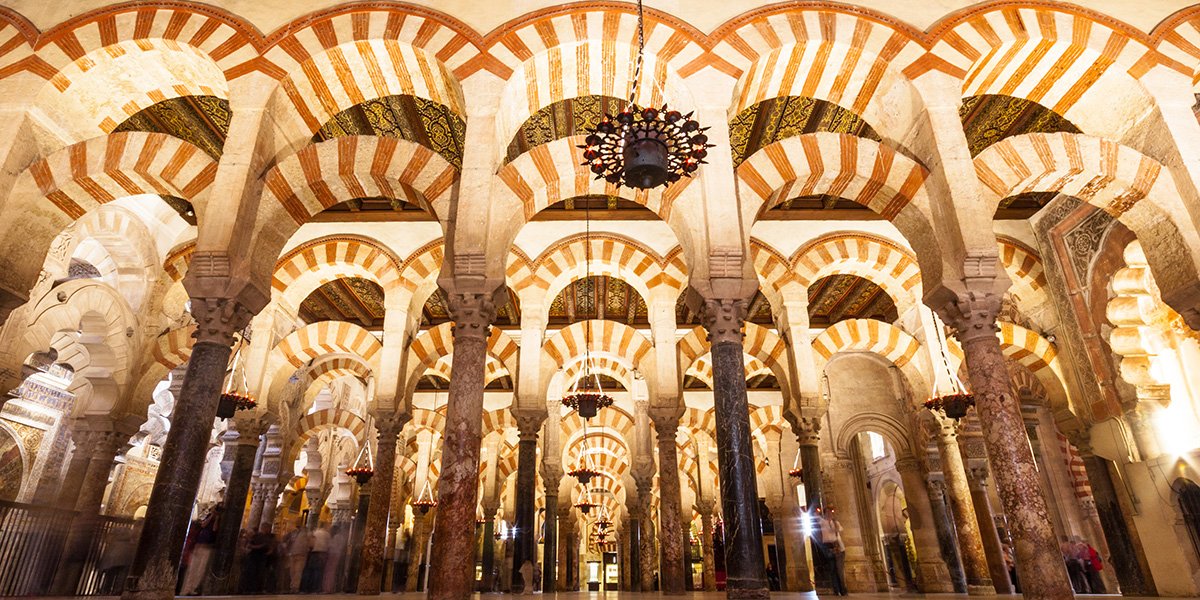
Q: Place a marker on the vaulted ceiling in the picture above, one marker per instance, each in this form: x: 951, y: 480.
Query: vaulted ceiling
x: 352, y: 299
x: 839, y: 297
x: 599, y: 297
x: 202, y: 121
x: 772, y: 120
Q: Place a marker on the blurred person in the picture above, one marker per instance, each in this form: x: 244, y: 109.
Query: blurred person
x: 296, y: 544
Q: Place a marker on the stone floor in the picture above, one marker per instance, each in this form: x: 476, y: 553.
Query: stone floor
x: 620, y: 596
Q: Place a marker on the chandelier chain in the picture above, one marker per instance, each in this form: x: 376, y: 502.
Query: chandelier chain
x: 637, y: 67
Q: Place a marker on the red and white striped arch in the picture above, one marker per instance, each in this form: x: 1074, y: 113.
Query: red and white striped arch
x: 419, y: 273
x: 601, y: 365
x: 177, y: 260
x: 327, y: 337
x: 1032, y: 351
x: 1025, y: 269
x: 85, y: 175
x: 1052, y: 55
x: 615, y: 256
x: 554, y: 172
x: 702, y: 368
x: 174, y: 347
x: 339, y: 366
x: 433, y: 347
x: 330, y: 418
x: 838, y: 164
x: 696, y: 420
x: 612, y: 337
x: 1106, y: 174
x: 759, y: 342
x: 612, y: 419
x: 500, y: 420
x: 320, y: 261
x: 866, y: 335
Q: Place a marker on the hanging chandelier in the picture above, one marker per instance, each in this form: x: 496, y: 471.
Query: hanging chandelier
x: 425, y: 499
x: 586, y: 394
x: 645, y: 147
x: 236, y: 396
x: 364, y: 465
x: 585, y: 504
x: 957, y: 400
x: 585, y: 471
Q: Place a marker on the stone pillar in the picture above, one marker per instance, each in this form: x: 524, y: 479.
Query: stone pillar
x: 258, y: 494
x: 808, y: 438
x: 970, y: 542
x: 746, y: 575
x: 387, y: 427
x: 100, y: 445
x: 859, y: 574
x: 249, y: 431
x: 945, y: 532
x: 416, y: 550
x: 685, y: 530
x: 452, y: 562
x: 525, y: 540
x: 316, y: 500
x: 551, y: 477
x: 634, y: 579
x: 81, y: 457
x: 977, y: 478
x: 647, y: 558
x: 357, y: 534
x: 488, y: 555
x: 566, y: 529
x: 931, y: 569
x: 670, y: 539
x: 973, y: 314
x: 706, y: 541
x: 1124, y: 558
x: 155, y: 565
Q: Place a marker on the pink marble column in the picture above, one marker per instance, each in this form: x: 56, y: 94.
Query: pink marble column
x: 1040, y: 566
x: 416, y: 549
x: 670, y: 537
x: 970, y: 541
x: 155, y: 565
x: 706, y: 547
x: 370, y: 578
x: 978, y: 476
x: 452, y: 560
x: 647, y: 558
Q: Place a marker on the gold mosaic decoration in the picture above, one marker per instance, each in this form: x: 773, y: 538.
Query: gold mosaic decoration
x: 990, y: 118
x: 579, y: 301
x: 565, y: 118
x: 202, y: 121
x: 779, y: 118
x: 352, y: 299
x: 840, y: 297
x: 409, y: 118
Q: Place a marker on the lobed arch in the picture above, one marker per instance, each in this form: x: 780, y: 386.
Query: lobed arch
x: 320, y: 261
x: 1126, y: 184
x: 653, y: 276
x: 127, y: 242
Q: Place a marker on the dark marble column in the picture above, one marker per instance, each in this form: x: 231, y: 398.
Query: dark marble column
x: 1133, y: 572
x: 565, y: 529
x: 551, y: 478
x: 685, y: 531
x: 452, y: 568
x: 357, y: 535
x: 229, y: 529
x: 706, y: 547
x: 155, y: 565
x: 670, y: 539
x: 387, y: 426
x: 634, y: 580
x: 525, y: 541
x: 101, y: 446
x: 647, y: 557
x: 1039, y: 562
x: 977, y: 478
x: 416, y: 550
x: 808, y: 437
x: 258, y: 496
x: 81, y: 456
x: 930, y: 569
x: 746, y: 575
x: 945, y: 532
x: 970, y: 541
x: 488, y: 554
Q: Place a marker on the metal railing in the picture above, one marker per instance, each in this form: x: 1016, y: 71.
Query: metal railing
x: 33, y: 541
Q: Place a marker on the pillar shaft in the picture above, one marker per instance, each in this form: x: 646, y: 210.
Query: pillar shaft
x: 156, y: 561
x: 1124, y: 558
x: 370, y: 579
x: 357, y: 535
x: 931, y: 569
x: 635, y: 553
x: 68, y: 492
x: 945, y: 532
x: 229, y: 529
x: 1039, y: 561
x: 550, y: 545
x: 647, y: 558
x: 987, y: 531
x: 808, y: 438
x: 101, y: 448
x: 970, y: 541
x: 746, y: 575
x: 416, y: 551
x: 670, y: 539
x: 710, y: 562
x: 452, y: 557
x: 525, y: 542
x: 859, y: 575
x: 488, y: 557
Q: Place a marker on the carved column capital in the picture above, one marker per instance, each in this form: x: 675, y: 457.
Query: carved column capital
x: 666, y: 423
x: 388, y: 425
x: 977, y: 473
x: 808, y: 430
x: 552, y: 474
x: 937, y: 488
x: 945, y: 428
x: 472, y: 313
x: 972, y: 314
x: 529, y: 423
x: 217, y: 319
x: 724, y: 318
x: 250, y: 427
x: 907, y: 464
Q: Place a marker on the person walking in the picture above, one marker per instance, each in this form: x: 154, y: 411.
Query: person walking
x: 1093, y: 565
x: 202, y: 549
x: 314, y: 567
x: 831, y: 540
x: 259, y: 552
x: 296, y: 545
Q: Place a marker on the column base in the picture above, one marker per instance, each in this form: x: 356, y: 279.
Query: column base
x: 934, y: 577
x: 980, y: 590
x: 747, y: 594
x: 860, y: 576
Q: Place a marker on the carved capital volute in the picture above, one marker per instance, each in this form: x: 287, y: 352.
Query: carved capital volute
x: 937, y: 488
x: 250, y: 427
x: 472, y: 313
x: 666, y: 423
x: 972, y: 314
x: 724, y: 318
x: 907, y: 464
x: 388, y: 425
x: 529, y: 423
x: 808, y: 430
x: 217, y: 319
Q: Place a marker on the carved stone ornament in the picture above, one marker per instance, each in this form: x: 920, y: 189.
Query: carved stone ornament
x: 724, y: 318
x: 217, y: 319
x: 472, y: 313
x: 529, y: 424
x: 389, y: 425
x: 973, y: 315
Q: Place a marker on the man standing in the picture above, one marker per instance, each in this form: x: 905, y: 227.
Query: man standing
x: 831, y: 540
x: 297, y: 544
x: 314, y: 568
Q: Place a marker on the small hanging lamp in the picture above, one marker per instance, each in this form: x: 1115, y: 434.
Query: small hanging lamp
x: 587, y: 394
x: 957, y: 400
x: 584, y: 472
x: 364, y: 465
x: 425, y: 499
x: 236, y: 395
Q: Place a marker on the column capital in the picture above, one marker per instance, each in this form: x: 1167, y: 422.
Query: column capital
x: 250, y: 427
x: 529, y: 423
x: 217, y: 319
x: 666, y: 422
x: 937, y: 487
x: 472, y: 311
x: 972, y: 314
x: 977, y: 473
x: 724, y: 318
x: 807, y: 430
x: 908, y: 464
x: 552, y: 474
x: 945, y: 428
x: 389, y: 424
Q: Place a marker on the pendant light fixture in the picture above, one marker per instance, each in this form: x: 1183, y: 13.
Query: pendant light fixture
x: 586, y: 394
x: 236, y: 395
x: 955, y: 402
x: 364, y: 465
x: 585, y: 471
x: 645, y: 147
x: 425, y: 499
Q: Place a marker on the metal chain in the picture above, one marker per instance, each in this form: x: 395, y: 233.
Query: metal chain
x: 637, y: 69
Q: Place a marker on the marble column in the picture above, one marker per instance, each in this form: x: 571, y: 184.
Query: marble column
x: 152, y: 575
x: 647, y: 558
x: 357, y: 535
x: 387, y: 427
x: 1124, y: 558
x: 81, y: 457
x: 525, y: 540
x: 945, y: 532
x: 452, y: 558
x: 706, y: 541
x: 808, y: 438
x: 229, y: 529
x: 746, y: 575
x: 685, y: 533
x: 1039, y: 562
x: 634, y: 580
x: 970, y: 541
x: 101, y: 446
x: 931, y: 570
x: 416, y: 550
x: 859, y: 574
x: 551, y: 476
x: 566, y: 527
x: 488, y: 554
x: 258, y: 494
x: 977, y: 478
x: 670, y: 538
